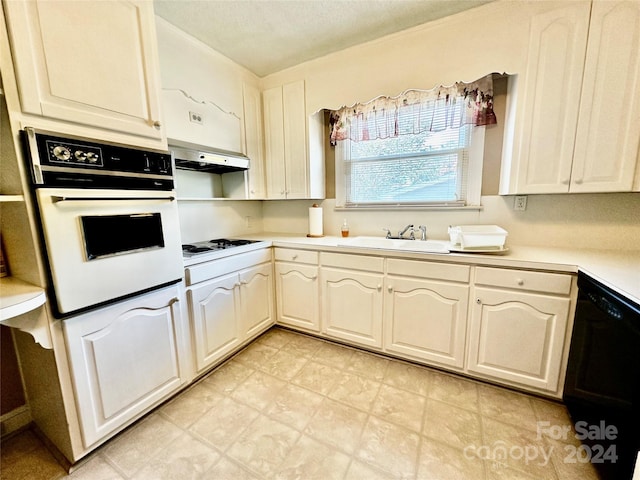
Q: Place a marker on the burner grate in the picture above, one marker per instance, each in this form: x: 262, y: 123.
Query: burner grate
x: 191, y: 249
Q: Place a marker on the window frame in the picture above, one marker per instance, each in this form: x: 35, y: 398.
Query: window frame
x: 475, y: 153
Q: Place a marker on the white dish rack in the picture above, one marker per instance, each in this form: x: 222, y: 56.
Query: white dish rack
x: 482, y: 237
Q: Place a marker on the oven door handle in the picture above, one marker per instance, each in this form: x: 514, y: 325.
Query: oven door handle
x: 58, y: 198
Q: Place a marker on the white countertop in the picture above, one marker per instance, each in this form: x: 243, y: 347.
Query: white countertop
x: 617, y: 269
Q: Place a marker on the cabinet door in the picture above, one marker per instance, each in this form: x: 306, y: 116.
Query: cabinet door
x: 214, y: 308
x: 93, y: 63
x: 274, y: 142
x: 297, y: 294
x: 518, y: 337
x: 352, y: 306
x: 426, y: 320
x: 256, y: 299
x: 124, y: 360
x: 608, y: 133
x: 295, y: 141
x: 254, y: 140
x: 555, y: 62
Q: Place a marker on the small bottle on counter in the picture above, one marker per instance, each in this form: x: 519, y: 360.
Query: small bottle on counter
x: 345, y: 228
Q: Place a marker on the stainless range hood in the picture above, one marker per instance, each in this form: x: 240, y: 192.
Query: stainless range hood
x: 194, y: 157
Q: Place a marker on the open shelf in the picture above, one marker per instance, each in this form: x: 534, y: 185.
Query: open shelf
x: 18, y: 297
x: 11, y: 198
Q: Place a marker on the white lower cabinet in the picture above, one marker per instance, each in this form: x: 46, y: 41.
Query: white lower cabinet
x: 297, y: 289
x: 125, y: 359
x: 504, y: 325
x: 256, y: 300
x: 214, y: 313
x: 231, y: 300
x: 352, y: 299
x: 426, y: 319
x: 519, y: 336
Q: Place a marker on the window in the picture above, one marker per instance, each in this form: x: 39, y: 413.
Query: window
x: 417, y: 149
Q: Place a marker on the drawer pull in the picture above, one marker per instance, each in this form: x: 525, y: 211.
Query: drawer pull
x: 313, y: 277
x: 390, y: 289
x: 520, y: 282
x: 379, y: 287
x: 294, y: 257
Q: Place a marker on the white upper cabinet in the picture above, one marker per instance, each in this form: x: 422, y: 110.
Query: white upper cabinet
x: 290, y: 169
x: 579, y: 128
x: 608, y: 132
x: 253, y: 136
x: 91, y: 63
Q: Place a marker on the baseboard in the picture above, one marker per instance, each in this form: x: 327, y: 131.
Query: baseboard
x: 15, y: 420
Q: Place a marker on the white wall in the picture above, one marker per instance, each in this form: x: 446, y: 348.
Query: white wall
x: 576, y: 221
x: 462, y: 47
x: 197, y: 79
x: 410, y: 59
x: 491, y: 38
x: 206, y: 220
x: 189, y: 65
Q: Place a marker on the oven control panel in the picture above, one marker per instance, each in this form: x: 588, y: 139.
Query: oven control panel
x: 70, y: 153
x: 113, y: 158
x: 77, y: 162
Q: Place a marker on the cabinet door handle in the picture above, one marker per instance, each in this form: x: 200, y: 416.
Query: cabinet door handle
x: 478, y: 301
x: 313, y: 277
x: 379, y: 287
x: 578, y: 181
x: 157, y: 125
x: 390, y: 289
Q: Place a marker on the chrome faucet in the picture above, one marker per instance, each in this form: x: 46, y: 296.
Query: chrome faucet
x: 423, y: 232
x: 411, y: 234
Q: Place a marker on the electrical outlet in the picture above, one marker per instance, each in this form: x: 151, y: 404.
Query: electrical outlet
x: 520, y: 203
x: 195, y: 117
x: 248, y: 221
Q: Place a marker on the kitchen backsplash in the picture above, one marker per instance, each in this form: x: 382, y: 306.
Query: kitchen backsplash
x: 609, y: 220
x: 205, y: 220
x: 580, y: 221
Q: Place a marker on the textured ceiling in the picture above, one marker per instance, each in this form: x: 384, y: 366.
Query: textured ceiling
x: 266, y: 36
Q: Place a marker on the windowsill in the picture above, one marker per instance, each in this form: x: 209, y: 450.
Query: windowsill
x: 447, y: 208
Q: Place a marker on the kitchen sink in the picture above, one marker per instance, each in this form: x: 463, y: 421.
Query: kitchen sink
x: 427, y: 246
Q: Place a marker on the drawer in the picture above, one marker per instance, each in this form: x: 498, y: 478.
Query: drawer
x: 355, y: 262
x: 434, y: 270
x: 221, y: 266
x: 296, y: 256
x: 557, y: 283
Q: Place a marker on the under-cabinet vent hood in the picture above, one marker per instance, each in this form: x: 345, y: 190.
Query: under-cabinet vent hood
x: 208, y: 160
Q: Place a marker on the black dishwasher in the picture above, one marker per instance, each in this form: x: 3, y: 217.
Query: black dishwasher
x: 602, y: 386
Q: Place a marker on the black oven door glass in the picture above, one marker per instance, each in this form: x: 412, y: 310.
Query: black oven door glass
x: 107, y: 235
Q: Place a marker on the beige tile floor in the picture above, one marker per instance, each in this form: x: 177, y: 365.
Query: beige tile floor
x: 293, y: 407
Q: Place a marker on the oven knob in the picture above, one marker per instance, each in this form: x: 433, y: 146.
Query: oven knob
x: 61, y: 153
x: 92, y: 157
x: 80, y: 155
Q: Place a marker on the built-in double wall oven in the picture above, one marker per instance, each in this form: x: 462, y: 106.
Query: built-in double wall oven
x: 109, y: 219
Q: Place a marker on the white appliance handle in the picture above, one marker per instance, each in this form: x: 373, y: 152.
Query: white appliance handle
x: 58, y: 198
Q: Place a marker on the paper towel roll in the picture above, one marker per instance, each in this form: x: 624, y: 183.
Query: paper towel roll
x: 315, y: 221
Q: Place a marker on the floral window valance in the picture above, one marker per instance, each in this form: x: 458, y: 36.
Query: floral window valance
x: 416, y: 111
